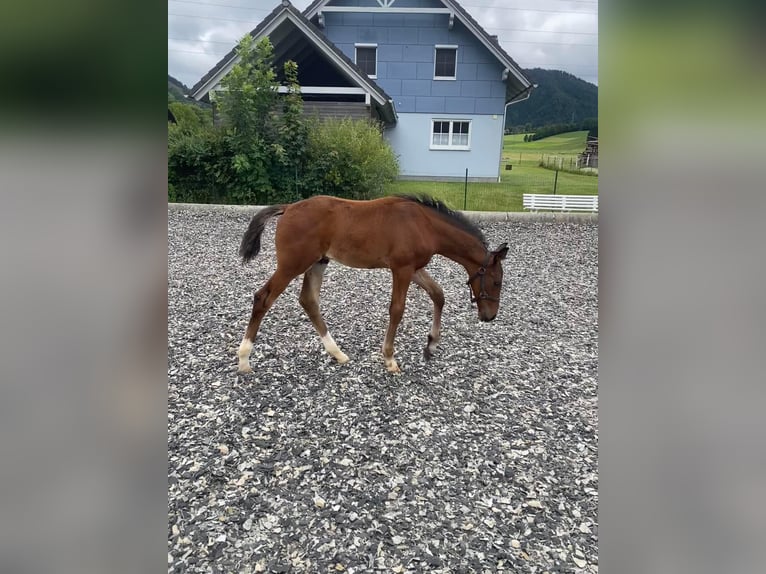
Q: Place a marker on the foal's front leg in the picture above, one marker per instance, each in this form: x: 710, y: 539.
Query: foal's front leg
x: 401, y: 283
x: 424, y: 280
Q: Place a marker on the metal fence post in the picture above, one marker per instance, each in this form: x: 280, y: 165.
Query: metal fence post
x: 555, y: 182
x: 465, y: 191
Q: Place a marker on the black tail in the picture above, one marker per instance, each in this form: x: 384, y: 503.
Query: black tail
x: 251, y: 240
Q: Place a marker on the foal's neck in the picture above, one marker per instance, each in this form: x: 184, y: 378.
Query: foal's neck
x: 462, y: 248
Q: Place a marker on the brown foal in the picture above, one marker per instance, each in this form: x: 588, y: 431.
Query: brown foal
x: 400, y: 233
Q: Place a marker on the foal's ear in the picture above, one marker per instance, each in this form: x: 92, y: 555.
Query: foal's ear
x: 501, y: 252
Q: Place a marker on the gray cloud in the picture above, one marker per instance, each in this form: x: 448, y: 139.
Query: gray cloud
x: 553, y: 34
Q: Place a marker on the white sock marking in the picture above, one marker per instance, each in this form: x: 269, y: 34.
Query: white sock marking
x: 245, y: 347
x: 332, y: 348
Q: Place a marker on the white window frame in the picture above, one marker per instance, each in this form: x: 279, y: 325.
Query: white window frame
x: 375, y: 75
x: 450, y: 145
x: 445, y: 47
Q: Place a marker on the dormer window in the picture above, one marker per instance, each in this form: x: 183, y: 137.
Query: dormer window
x: 445, y: 63
x: 367, y: 59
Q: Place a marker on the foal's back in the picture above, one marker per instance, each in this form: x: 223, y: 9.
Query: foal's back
x: 387, y: 232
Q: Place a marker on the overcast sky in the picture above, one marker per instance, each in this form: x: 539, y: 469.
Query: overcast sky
x: 552, y: 34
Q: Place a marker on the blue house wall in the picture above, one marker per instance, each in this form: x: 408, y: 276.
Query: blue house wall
x: 405, y: 70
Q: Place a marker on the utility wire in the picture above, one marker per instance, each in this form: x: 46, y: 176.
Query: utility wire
x: 504, y: 8
x: 486, y: 28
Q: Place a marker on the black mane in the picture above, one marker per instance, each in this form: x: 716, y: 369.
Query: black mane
x: 454, y: 217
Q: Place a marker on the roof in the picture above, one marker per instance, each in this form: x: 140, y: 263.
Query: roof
x: 523, y: 85
x: 286, y: 11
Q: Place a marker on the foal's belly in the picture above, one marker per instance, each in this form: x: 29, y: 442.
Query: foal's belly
x: 352, y: 258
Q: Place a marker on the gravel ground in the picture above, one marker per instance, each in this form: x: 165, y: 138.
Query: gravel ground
x: 482, y: 460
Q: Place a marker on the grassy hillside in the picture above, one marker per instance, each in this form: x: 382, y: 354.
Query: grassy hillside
x: 516, y: 150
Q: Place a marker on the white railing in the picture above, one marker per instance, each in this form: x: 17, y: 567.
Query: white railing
x: 536, y: 202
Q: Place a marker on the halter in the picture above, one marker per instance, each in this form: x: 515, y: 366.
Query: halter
x: 480, y: 273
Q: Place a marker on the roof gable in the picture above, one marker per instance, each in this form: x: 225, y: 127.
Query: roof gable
x: 286, y: 15
x: 519, y: 84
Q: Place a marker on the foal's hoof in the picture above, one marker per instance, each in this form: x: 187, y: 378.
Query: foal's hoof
x: 393, y: 367
x: 342, y: 359
x: 427, y: 353
x: 245, y: 370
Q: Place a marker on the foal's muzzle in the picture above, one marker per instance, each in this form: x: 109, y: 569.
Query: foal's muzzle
x: 485, y: 319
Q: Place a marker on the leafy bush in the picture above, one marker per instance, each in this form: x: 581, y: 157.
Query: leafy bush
x: 191, y: 119
x: 349, y: 158
x: 196, y: 167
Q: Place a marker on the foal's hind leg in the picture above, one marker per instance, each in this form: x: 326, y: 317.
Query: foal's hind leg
x: 424, y: 280
x: 262, y: 300
x: 309, y: 300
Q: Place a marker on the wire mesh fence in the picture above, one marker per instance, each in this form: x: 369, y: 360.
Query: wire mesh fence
x: 505, y: 194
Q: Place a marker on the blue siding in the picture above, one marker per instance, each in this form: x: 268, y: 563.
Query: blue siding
x: 488, y: 105
x: 473, y: 88
x: 356, y: 19
x: 426, y: 71
x: 418, y: 53
x: 406, y: 58
x: 411, y: 138
x: 468, y: 72
x: 445, y: 88
x: 393, y: 87
x: 399, y: 71
x: 419, y: 21
x: 390, y: 53
x: 406, y: 49
x: 487, y: 73
x: 460, y: 105
x: 373, y: 34
x: 431, y: 36
x: 416, y: 88
x: 400, y: 35
x: 341, y: 34
x: 430, y: 104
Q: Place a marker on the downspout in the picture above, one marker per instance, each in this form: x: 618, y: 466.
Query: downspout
x: 513, y: 100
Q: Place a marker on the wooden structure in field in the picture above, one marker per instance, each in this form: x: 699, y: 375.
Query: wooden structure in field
x: 589, y: 158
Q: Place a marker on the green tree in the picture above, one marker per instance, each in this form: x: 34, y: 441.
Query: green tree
x: 249, y: 92
x: 292, y: 149
x: 248, y: 102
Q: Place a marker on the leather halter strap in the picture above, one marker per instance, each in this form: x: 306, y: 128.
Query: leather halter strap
x: 480, y: 274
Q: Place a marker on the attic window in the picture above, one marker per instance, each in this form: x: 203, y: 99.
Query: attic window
x: 445, y: 63
x: 367, y: 59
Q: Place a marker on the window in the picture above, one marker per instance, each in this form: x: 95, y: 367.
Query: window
x: 450, y: 134
x: 445, y: 63
x: 367, y: 59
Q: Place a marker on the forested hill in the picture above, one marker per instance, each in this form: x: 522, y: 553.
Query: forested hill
x: 176, y: 90
x: 560, y: 98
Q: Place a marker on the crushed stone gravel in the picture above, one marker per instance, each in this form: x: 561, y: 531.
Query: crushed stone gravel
x: 483, y: 459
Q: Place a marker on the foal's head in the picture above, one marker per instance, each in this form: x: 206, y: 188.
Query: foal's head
x: 486, y: 283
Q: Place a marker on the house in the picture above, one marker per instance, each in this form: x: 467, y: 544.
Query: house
x: 437, y: 82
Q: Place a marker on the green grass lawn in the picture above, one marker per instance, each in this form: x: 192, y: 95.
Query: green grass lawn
x: 524, y: 177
